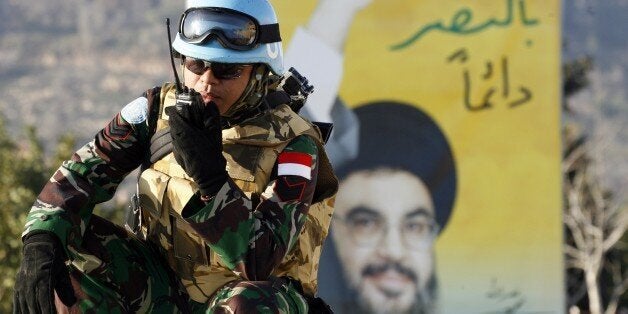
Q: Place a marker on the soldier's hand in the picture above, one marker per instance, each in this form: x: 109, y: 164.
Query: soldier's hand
x: 197, y: 142
x: 190, y: 106
x: 42, y: 272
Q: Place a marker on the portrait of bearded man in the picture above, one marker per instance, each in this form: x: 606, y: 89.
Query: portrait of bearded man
x: 394, y: 200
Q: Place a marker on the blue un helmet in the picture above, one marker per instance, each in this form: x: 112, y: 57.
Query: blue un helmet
x: 231, y: 31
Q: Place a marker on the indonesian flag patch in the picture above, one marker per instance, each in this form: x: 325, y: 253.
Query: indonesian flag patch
x: 295, y: 164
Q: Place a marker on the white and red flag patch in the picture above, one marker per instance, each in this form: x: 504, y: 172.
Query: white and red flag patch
x: 295, y: 164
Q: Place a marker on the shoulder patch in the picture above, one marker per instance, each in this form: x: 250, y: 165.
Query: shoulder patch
x: 294, y: 164
x: 296, y: 159
x: 136, y: 111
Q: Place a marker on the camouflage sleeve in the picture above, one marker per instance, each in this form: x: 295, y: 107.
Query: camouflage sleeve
x: 253, y: 236
x: 92, y: 175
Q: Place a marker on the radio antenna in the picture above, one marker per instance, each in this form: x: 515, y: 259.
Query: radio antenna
x: 174, y: 68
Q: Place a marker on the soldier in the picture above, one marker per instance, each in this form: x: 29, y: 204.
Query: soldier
x: 235, y: 189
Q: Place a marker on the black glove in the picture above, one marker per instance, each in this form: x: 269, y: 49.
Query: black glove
x: 197, y: 141
x: 42, y: 271
x: 318, y: 306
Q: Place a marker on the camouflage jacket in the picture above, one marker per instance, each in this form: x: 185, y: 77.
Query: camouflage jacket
x: 233, y: 224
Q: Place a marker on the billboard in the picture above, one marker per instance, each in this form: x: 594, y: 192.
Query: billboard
x: 447, y: 146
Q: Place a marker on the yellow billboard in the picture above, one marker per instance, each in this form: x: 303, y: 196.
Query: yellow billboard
x: 447, y: 144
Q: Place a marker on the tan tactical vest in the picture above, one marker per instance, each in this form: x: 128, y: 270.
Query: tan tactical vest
x: 251, y: 150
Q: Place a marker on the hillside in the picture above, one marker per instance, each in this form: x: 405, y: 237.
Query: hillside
x: 69, y: 65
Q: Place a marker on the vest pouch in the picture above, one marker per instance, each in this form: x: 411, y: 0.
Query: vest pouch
x: 152, y: 187
x: 189, y: 248
x: 179, y: 193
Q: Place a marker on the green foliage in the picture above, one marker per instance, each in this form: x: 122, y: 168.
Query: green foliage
x: 64, y: 149
x: 23, y: 174
x: 114, y: 213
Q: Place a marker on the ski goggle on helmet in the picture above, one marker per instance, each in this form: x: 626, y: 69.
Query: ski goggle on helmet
x: 231, y: 31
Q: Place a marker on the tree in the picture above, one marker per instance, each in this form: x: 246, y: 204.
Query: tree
x: 23, y: 173
x: 595, y: 220
x: 595, y: 223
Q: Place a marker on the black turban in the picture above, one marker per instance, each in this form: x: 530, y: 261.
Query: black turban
x: 400, y: 136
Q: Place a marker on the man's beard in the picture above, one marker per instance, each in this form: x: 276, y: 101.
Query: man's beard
x: 424, y: 300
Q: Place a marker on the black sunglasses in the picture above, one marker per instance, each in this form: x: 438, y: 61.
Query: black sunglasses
x: 222, y: 71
